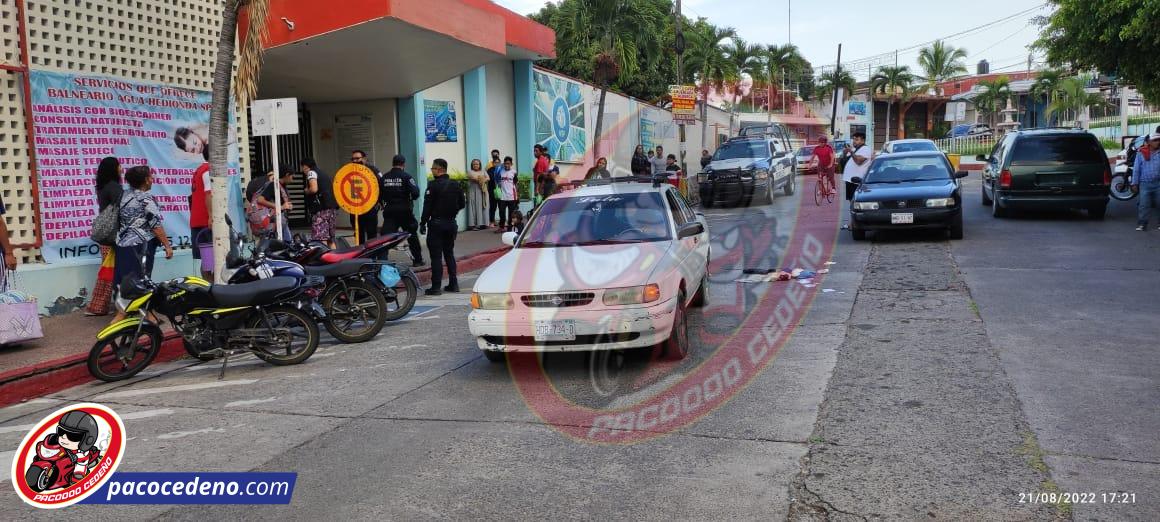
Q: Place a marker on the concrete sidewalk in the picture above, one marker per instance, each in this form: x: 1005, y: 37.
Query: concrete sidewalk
x: 58, y: 360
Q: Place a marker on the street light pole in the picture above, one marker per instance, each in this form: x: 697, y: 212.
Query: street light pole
x: 834, y: 110
x: 680, y: 37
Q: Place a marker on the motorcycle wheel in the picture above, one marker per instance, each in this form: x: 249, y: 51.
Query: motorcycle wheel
x: 125, y: 353
x: 38, y: 478
x: 295, y: 334
x: 1121, y: 189
x: 405, y: 294
x: 354, y: 314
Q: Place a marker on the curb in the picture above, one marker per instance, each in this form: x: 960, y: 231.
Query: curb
x: 47, y: 377
x: 52, y: 376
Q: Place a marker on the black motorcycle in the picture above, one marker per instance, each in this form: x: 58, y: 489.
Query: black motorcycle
x: 263, y: 317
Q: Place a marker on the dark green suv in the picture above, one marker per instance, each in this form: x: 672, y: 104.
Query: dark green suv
x: 1047, y: 169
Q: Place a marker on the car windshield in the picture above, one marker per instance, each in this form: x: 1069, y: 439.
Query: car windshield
x: 1058, y: 149
x: 741, y: 149
x: 598, y: 220
x: 917, y: 168
x: 914, y: 146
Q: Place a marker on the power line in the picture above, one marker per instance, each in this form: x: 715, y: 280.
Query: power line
x: 992, y: 46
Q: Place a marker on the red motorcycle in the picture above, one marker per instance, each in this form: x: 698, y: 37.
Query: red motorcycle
x: 55, y: 472
x: 399, y: 284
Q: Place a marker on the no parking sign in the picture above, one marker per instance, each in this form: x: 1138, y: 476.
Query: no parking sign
x: 356, y: 188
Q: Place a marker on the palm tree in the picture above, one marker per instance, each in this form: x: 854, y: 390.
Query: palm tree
x: 890, y: 80
x: 781, y: 61
x: 941, y: 62
x: 706, y: 55
x: 1073, y: 98
x: 744, y: 59
x: 993, y: 97
x: 1046, y: 87
x: 247, y: 87
x: 832, y: 80
x: 623, y: 37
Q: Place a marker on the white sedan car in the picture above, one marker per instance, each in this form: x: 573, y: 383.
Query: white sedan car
x: 603, y: 267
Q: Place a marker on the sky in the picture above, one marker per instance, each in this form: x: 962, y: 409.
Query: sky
x: 866, y: 30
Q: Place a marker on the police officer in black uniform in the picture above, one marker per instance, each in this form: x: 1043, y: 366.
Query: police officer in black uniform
x: 367, y: 223
x: 444, y: 199
x: 398, y: 190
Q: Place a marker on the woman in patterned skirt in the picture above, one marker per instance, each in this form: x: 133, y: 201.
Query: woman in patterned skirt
x: 109, y: 191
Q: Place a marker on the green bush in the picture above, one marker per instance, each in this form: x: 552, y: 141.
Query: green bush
x: 523, y: 183
x: 1132, y: 120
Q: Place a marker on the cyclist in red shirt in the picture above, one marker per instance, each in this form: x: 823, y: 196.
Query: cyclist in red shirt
x: 823, y: 159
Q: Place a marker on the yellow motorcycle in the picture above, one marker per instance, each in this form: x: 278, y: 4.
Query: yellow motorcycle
x: 264, y: 317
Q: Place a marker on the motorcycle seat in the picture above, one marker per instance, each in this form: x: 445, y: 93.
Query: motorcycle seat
x: 260, y: 292
x: 336, y: 270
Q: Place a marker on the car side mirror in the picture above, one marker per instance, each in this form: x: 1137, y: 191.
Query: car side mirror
x: 962, y: 174
x: 691, y: 229
x: 981, y: 157
x: 509, y: 238
x: 856, y: 180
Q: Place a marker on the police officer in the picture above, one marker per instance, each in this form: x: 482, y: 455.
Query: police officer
x: 367, y: 223
x: 444, y: 199
x: 398, y: 191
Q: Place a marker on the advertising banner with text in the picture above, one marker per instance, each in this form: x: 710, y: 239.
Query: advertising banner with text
x: 80, y: 119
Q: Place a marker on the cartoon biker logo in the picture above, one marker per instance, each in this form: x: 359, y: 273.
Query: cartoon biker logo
x: 68, y: 455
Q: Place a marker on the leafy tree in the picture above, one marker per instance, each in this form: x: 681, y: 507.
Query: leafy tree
x: 893, y: 81
x: 941, y: 62
x: 782, y: 62
x: 1117, y: 37
x: 616, y: 37
x: 1073, y: 98
x: 706, y: 55
x: 247, y: 87
x: 993, y: 98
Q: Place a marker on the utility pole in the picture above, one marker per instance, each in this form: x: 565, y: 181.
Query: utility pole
x: 789, y: 22
x: 834, y: 110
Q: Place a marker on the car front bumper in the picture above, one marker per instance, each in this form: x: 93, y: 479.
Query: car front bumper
x: 923, y: 218
x: 611, y: 328
x: 728, y: 191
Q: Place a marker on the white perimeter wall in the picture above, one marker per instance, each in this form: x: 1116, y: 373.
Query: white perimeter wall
x: 501, y: 110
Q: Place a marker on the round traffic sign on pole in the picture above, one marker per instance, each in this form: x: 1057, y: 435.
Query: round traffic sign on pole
x: 357, y: 190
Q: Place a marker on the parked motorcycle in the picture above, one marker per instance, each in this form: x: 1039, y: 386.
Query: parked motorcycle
x: 399, y: 284
x: 344, y: 302
x: 1121, y: 185
x: 263, y: 317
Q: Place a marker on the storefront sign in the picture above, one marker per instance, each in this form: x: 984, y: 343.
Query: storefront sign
x: 684, y: 103
x: 81, y: 119
x: 439, y: 121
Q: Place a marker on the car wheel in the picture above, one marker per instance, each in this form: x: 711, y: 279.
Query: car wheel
x: 676, y: 347
x: 1097, y: 213
x: 769, y: 189
x: 494, y: 356
x: 956, y: 228
x: 790, y: 185
x: 986, y: 199
x: 997, y: 210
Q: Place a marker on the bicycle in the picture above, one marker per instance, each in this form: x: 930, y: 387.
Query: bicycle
x: 822, y: 187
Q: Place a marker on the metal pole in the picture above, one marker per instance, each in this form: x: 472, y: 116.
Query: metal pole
x: 680, y: 81
x: 834, y: 110
x: 277, y: 178
x: 789, y: 22
x: 1123, y: 108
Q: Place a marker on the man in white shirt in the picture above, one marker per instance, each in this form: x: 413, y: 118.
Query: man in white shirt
x: 858, y: 164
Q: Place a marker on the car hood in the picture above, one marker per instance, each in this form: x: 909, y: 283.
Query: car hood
x: 533, y: 270
x: 908, y: 190
x: 738, y: 163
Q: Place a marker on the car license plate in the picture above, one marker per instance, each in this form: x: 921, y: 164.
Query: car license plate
x: 555, y: 330
x: 899, y: 218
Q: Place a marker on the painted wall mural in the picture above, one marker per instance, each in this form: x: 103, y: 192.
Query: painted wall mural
x: 560, y: 118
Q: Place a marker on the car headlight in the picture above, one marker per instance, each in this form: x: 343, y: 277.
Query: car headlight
x: 940, y: 202
x: 865, y: 205
x: 632, y: 295
x: 761, y: 175
x: 702, y: 177
x: 492, y: 301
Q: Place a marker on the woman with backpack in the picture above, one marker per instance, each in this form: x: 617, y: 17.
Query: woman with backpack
x: 140, y: 230
x: 109, y: 192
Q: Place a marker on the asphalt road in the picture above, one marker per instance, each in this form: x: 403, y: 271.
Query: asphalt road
x: 879, y: 393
